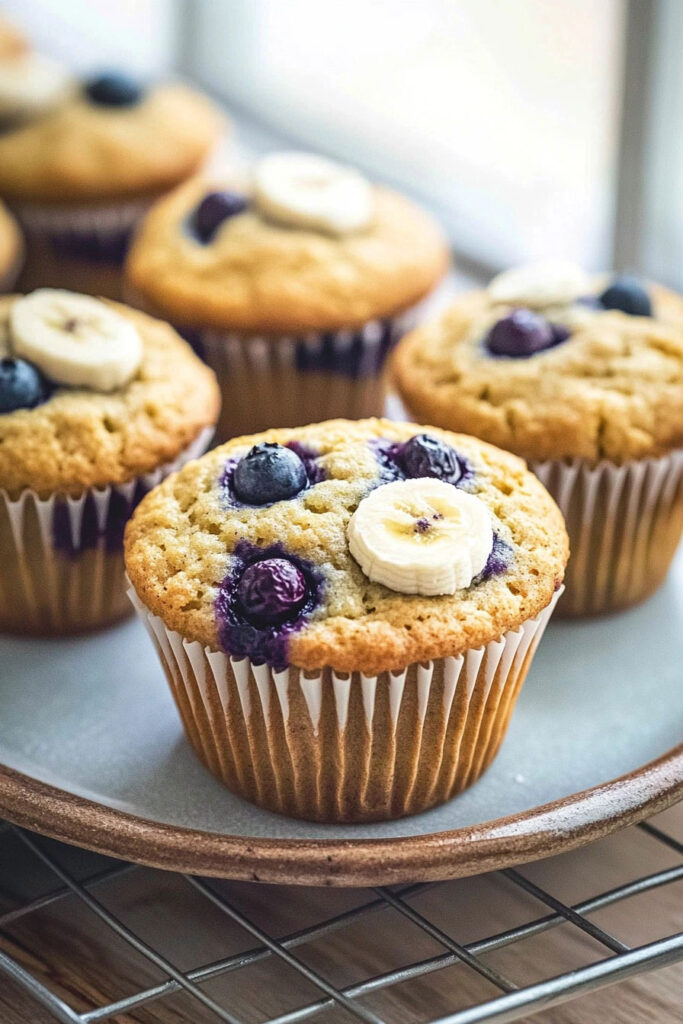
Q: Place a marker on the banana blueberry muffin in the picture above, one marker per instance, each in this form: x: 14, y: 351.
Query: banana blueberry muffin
x: 583, y: 377
x: 294, y: 285
x: 97, y: 403
x: 80, y: 161
x: 11, y: 250
x: 346, y: 611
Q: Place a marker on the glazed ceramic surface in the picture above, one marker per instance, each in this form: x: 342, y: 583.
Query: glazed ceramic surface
x: 93, y: 752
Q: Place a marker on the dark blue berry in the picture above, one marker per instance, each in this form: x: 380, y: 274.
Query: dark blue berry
x: 213, y: 210
x: 627, y: 295
x: 22, y: 386
x: 113, y: 89
x: 423, y: 455
x: 560, y: 333
x: 268, y: 473
x: 521, y: 333
x: 271, y: 591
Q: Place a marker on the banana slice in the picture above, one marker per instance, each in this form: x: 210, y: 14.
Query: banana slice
x: 421, y: 536
x: 540, y: 284
x: 311, y: 192
x: 31, y: 84
x: 75, y: 340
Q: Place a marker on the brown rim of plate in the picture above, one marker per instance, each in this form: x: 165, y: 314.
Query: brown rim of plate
x: 543, y: 831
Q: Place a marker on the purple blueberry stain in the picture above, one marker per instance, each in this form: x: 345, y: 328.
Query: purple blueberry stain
x: 420, y: 456
x: 91, y: 531
x: 311, y: 461
x: 93, y: 246
x: 424, y: 523
x: 560, y: 333
x: 498, y: 562
x: 355, y: 355
x: 267, y: 595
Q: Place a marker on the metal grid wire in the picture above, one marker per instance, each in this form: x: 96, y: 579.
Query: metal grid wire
x: 617, y: 960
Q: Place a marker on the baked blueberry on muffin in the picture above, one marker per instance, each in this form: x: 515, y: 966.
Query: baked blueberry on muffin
x: 294, y: 287
x: 346, y: 612
x: 584, y: 378
x: 97, y: 403
x: 80, y: 161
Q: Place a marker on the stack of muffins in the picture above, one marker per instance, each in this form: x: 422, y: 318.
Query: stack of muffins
x: 345, y: 611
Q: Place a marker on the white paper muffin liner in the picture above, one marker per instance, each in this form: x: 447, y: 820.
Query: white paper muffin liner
x: 289, y: 381
x: 50, y: 586
x: 94, y: 225
x: 78, y: 247
x: 624, y: 524
x: 330, y: 746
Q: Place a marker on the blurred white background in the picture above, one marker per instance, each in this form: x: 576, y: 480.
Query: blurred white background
x: 531, y: 127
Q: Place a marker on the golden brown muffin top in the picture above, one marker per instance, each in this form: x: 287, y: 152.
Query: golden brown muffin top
x: 261, y: 276
x: 81, y: 438
x: 189, y: 537
x: 11, y: 243
x: 84, y: 152
x: 613, y: 390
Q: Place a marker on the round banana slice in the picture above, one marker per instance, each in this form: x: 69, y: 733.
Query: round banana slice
x: 308, y: 191
x: 421, y: 536
x: 31, y: 84
x: 540, y: 284
x: 75, y: 340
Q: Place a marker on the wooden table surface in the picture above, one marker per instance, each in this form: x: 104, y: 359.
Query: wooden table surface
x: 81, y: 960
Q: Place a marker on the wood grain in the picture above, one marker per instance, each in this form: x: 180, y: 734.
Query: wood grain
x: 87, y: 965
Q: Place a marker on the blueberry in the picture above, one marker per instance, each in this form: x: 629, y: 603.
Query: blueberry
x: 627, y: 295
x: 521, y: 333
x: 213, y: 210
x: 560, y: 333
x: 113, y: 89
x: 423, y: 455
x: 22, y: 386
x: 268, y: 473
x: 271, y: 591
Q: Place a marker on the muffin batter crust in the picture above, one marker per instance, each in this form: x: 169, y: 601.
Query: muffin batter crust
x: 180, y: 540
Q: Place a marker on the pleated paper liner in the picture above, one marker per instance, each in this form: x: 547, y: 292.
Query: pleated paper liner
x: 62, y: 557
x: 346, y: 747
x: 289, y: 381
x: 624, y: 524
x: 80, y: 248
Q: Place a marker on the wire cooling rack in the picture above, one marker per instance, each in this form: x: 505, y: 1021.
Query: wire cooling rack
x: 120, y: 927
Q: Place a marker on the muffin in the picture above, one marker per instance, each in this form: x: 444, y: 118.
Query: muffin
x: 11, y: 250
x: 346, y: 612
x: 583, y: 377
x: 81, y: 161
x: 293, y: 287
x: 97, y: 404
